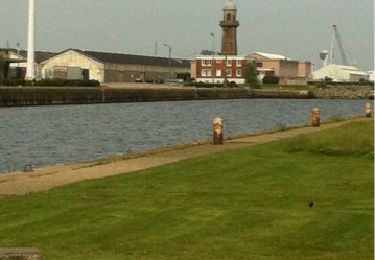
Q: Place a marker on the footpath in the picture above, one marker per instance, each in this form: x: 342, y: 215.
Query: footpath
x: 43, y: 179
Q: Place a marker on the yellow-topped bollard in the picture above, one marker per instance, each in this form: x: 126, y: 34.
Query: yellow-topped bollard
x: 315, y: 117
x: 218, y: 130
x: 368, y: 110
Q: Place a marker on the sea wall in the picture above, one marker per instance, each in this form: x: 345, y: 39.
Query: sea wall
x: 26, y: 96
x: 343, y: 92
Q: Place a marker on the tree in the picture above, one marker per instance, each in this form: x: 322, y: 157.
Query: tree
x: 251, y: 74
x: 3, y: 59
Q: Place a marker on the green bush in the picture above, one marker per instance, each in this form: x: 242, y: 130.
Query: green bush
x: 271, y: 80
x: 322, y: 83
x: 50, y: 83
x: 201, y: 84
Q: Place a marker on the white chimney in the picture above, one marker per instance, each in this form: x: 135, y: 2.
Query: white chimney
x: 30, y: 74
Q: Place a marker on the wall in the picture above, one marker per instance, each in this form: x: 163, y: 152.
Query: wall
x: 133, y: 73
x: 305, y: 69
x: 288, y: 68
x: 74, y: 59
x: 11, y: 97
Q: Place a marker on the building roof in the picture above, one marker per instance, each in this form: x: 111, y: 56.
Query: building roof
x: 124, y: 59
x: 271, y: 56
x: 39, y: 56
x: 115, y: 58
x: 230, y: 5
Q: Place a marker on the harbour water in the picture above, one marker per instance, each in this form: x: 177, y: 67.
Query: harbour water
x: 51, y: 135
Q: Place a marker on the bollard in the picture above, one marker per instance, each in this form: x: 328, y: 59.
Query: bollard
x: 368, y: 110
x: 218, y: 130
x: 315, y: 117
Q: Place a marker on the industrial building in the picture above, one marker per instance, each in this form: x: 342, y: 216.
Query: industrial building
x: 290, y: 72
x: 18, y: 62
x: 101, y: 66
x: 113, y: 67
x: 229, y: 66
x: 340, y: 73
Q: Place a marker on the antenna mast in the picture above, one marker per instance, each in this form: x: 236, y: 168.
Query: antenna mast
x: 30, y: 75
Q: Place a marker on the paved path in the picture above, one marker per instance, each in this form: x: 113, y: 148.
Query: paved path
x: 46, y: 178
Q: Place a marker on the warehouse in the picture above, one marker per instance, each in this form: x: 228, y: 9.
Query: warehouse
x: 113, y: 67
x: 340, y: 73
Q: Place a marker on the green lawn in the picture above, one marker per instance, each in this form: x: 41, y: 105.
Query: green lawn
x: 244, y: 204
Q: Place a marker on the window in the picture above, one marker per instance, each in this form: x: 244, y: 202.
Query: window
x: 229, y: 17
x: 206, y: 63
x: 206, y: 73
x: 229, y: 63
x: 239, y: 63
x: 229, y: 73
x: 259, y: 65
x: 218, y: 73
x: 239, y: 73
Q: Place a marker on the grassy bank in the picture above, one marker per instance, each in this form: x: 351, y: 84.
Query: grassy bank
x: 244, y: 204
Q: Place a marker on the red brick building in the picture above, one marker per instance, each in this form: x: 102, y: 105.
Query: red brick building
x: 217, y: 69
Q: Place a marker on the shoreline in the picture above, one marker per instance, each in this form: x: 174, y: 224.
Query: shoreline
x: 40, y: 96
x: 45, y: 178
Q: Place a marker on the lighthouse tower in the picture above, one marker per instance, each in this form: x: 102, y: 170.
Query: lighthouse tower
x: 229, y: 25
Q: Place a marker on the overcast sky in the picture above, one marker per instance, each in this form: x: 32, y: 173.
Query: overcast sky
x: 299, y: 29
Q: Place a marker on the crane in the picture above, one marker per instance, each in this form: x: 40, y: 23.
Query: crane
x: 327, y: 56
x: 341, y: 46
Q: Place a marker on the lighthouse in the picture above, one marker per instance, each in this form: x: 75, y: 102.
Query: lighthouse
x: 229, y: 26
x: 30, y: 74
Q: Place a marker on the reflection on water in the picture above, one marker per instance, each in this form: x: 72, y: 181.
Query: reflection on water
x: 52, y: 135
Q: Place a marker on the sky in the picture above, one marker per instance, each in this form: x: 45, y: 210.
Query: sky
x: 298, y: 29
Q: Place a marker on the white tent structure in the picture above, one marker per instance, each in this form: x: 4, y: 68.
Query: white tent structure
x: 340, y: 73
x: 371, y: 75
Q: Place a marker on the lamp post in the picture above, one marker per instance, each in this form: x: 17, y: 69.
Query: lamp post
x: 213, y: 57
x: 30, y: 42
x: 169, y: 58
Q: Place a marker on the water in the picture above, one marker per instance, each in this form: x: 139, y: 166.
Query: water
x: 52, y: 135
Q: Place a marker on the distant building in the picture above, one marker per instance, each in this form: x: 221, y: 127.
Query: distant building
x: 290, y: 72
x: 217, y: 69
x: 112, y: 67
x: 371, y: 75
x: 101, y: 66
x: 18, y: 62
x: 340, y: 73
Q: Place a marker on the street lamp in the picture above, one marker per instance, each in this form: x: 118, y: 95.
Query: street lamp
x: 213, y: 55
x: 169, y: 58
x: 213, y: 43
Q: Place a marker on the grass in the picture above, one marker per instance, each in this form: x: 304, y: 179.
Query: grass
x: 243, y: 204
